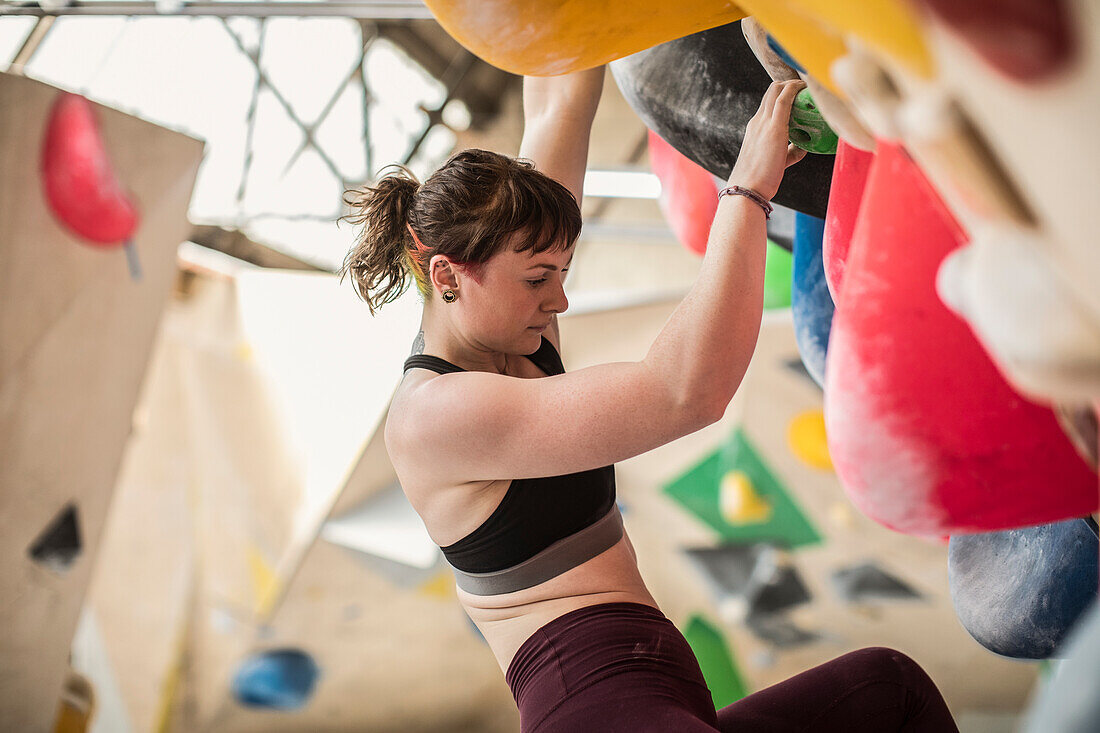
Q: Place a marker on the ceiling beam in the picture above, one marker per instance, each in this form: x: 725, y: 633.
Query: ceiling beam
x: 481, y: 88
x: 235, y: 243
x: 372, y: 9
x: 30, y: 45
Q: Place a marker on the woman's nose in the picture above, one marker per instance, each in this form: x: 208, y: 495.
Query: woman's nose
x: 558, y: 301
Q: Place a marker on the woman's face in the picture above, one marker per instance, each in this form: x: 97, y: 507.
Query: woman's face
x: 509, y: 306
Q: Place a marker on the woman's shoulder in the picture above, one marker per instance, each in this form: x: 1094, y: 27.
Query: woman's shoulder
x: 415, y: 443
x: 399, y: 430
x: 424, y: 401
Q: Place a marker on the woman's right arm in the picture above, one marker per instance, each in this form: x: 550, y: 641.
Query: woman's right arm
x: 712, y: 334
x: 487, y: 426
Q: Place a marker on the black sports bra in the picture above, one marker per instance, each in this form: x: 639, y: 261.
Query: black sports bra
x: 543, y: 526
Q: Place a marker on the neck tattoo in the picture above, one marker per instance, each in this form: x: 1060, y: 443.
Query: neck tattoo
x: 418, y: 344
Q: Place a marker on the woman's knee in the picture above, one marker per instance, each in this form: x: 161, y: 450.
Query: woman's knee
x: 889, y: 664
x: 882, y: 668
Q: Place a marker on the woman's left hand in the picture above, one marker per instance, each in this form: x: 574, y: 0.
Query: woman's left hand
x: 558, y: 113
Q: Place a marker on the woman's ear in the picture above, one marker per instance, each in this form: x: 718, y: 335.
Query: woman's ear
x: 442, y: 273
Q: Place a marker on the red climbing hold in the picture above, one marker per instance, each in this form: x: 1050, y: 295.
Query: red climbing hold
x: 80, y: 185
x: 1026, y: 40
x: 849, y: 178
x: 926, y: 435
x: 689, y: 197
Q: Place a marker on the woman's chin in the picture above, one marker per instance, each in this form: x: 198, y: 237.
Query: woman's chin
x: 533, y: 336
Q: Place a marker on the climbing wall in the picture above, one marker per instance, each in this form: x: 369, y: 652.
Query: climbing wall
x: 255, y: 612
x: 941, y: 285
x: 76, y: 332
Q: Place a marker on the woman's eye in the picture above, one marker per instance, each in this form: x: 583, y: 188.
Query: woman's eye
x: 536, y: 283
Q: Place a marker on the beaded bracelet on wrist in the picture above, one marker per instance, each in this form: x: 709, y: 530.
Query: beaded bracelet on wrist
x: 748, y: 193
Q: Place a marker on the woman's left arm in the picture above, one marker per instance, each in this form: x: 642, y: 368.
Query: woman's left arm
x: 557, y: 122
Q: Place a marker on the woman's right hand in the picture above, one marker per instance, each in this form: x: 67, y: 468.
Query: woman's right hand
x: 767, y: 151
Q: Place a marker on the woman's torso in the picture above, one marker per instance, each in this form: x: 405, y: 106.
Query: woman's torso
x: 451, y: 513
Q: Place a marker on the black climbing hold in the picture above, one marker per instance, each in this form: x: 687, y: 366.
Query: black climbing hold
x: 59, y: 544
x: 699, y: 92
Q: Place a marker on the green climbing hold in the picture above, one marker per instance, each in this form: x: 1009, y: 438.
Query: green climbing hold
x: 716, y: 662
x: 808, y: 129
x: 777, y: 277
x: 699, y: 491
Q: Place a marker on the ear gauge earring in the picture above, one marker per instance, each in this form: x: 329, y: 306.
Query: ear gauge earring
x: 449, y: 296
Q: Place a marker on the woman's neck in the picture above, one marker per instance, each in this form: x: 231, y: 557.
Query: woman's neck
x: 446, y: 342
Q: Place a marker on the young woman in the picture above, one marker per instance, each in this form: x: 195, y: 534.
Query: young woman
x: 508, y: 459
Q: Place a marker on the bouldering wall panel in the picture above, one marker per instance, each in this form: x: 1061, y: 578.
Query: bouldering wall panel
x: 76, y: 333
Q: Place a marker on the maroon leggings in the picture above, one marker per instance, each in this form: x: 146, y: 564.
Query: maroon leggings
x: 625, y: 667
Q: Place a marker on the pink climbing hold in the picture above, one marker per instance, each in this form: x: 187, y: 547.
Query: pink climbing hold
x: 80, y: 184
x: 689, y: 197
x: 849, y: 178
x: 1026, y: 40
x: 926, y: 435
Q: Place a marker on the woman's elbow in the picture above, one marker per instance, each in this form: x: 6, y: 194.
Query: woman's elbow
x: 704, y: 409
x: 713, y: 398
x: 715, y: 410
x: 695, y: 401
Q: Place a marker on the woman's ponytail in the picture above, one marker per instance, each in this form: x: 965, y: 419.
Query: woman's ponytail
x: 379, y: 262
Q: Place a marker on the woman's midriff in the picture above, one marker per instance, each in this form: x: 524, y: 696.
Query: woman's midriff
x: 507, y: 620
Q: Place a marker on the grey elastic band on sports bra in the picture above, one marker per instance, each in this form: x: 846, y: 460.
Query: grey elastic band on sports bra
x: 565, y: 554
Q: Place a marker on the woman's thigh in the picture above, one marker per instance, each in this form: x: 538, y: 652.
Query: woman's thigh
x: 630, y: 704
x: 872, y: 689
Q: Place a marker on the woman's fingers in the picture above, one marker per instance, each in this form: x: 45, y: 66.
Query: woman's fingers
x: 765, y: 152
x: 772, y: 94
x: 785, y: 100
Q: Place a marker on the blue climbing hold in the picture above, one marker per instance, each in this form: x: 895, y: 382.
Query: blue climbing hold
x: 279, y: 679
x: 1019, y: 592
x: 811, y: 304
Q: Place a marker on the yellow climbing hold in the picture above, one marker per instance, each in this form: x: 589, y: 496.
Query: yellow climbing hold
x: 77, y: 705
x: 812, y: 43
x: 548, y: 37
x: 806, y: 438
x: 892, y: 27
x: 442, y: 585
x: 265, y: 583
x: 813, y: 32
x: 739, y: 502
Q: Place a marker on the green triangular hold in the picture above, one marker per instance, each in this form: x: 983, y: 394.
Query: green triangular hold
x: 716, y: 661
x: 698, y: 491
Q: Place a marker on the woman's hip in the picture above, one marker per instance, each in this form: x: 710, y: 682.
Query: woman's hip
x: 617, y: 666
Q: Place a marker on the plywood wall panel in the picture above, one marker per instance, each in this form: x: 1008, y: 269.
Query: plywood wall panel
x: 75, y: 338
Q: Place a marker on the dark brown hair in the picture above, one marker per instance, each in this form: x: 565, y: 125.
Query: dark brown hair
x: 468, y: 210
